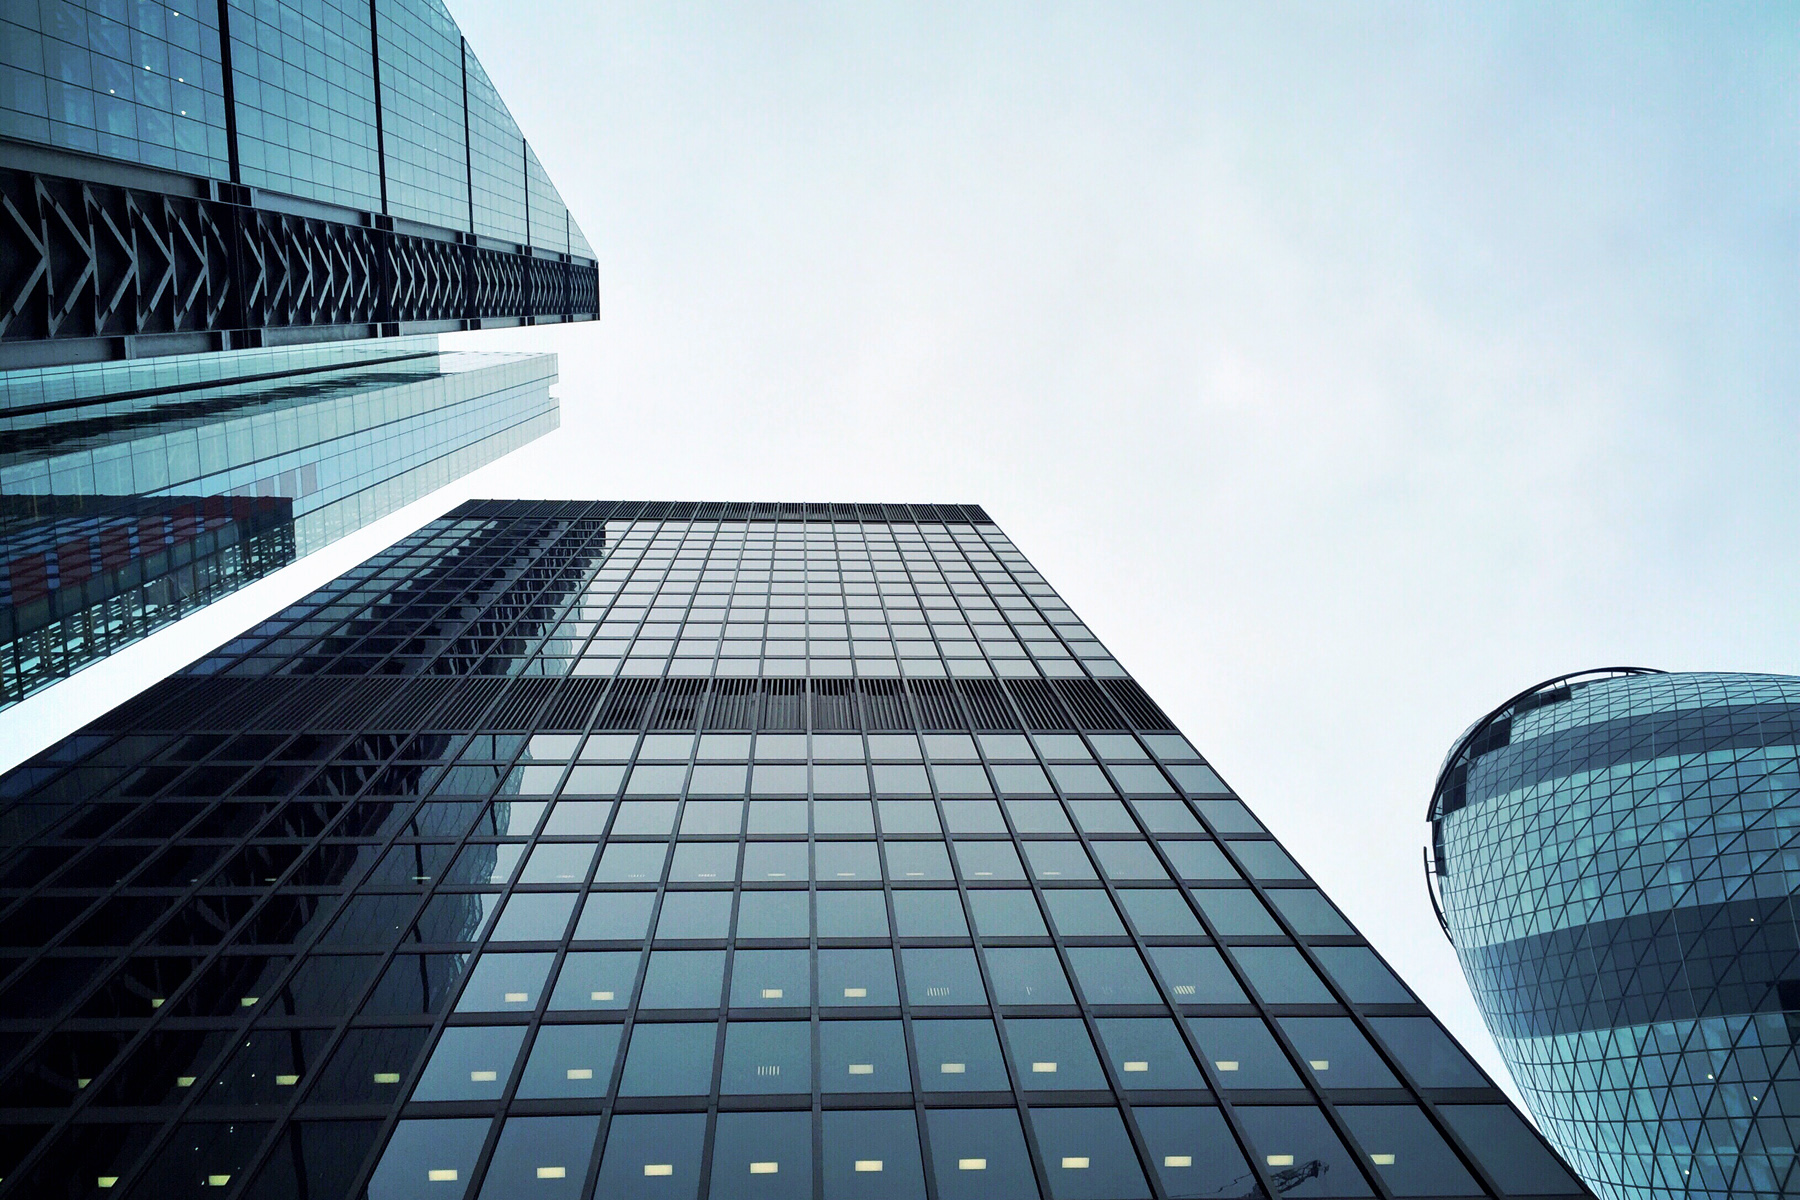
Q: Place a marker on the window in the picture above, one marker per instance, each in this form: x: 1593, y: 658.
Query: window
x: 771, y: 979
x: 937, y: 977
x: 1300, y: 1150
x: 1363, y: 976
x: 422, y: 1153
x: 1006, y: 912
x: 762, y: 1156
x: 1054, y: 1054
x: 1160, y: 912
x: 684, y: 979
x: 852, y: 914
x: 570, y: 1061
x: 1112, y: 975
x: 615, y: 916
x: 1243, y: 1052
x: 669, y: 1060
x: 922, y: 913
x: 1083, y: 912
x: 872, y: 1155
x: 863, y: 1056
x: 1088, y: 1155
x: 652, y: 1156
x: 1336, y: 1053
x: 764, y: 1058
x: 1236, y: 912
x: 1427, y: 1052
x: 1281, y: 975
x: 979, y: 1154
x: 471, y: 1062
x: 505, y: 983
x: 959, y: 1056
x: 1028, y: 975
x: 1193, y: 1152
x: 1409, y: 1155
x: 857, y: 978
x: 1148, y: 1054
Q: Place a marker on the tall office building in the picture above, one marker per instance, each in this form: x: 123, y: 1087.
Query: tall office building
x: 133, y: 493
x: 676, y: 850
x: 1618, y: 861
x: 264, y: 210
x: 248, y: 173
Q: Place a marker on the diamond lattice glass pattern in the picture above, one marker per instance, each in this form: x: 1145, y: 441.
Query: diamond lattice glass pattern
x: 694, y: 849
x: 1618, y: 872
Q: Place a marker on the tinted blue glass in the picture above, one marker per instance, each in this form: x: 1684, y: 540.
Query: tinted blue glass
x: 959, y: 1056
x: 615, y: 916
x: 420, y: 1148
x: 854, y: 914
x: 669, y: 1060
x: 684, y: 979
x: 1006, y: 912
x: 1054, y: 1054
x: 1148, y: 1054
x: 767, y: 1058
x: 863, y: 1056
x: 771, y: 979
x: 857, y: 978
x: 1090, y: 1155
x: 1336, y: 1053
x: 570, y: 1061
x: 762, y: 1156
x: 1083, y: 912
x: 947, y: 976
x: 1194, y: 1153
x: 1281, y: 975
x: 1409, y: 1155
x: 929, y: 913
x: 602, y: 979
x: 1304, y: 1157
x: 1028, y: 975
x: 471, y: 1062
x: 1243, y: 1052
x: 1112, y: 975
x: 872, y: 1156
x: 505, y: 983
x: 541, y: 1156
x: 979, y: 1154
x: 652, y: 1156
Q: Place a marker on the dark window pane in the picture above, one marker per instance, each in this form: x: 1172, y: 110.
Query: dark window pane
x: 1362, y: 975
x: 765, y: 1058
x: 1266, y: 860
x: 771, y: 979
x: 959, y: 1056
x: 570, y: 1061
x: 979, y: 1154
x: 947, y: 976
x: 929, y: 913
x: 1512, y: 1154
x: 1027, y: 975
x: 857, y: 978
x: 762, y: 1156
x: 872, y: 1156
x: 369, y: 1066
x: 1200, y: 862
x: 1197, y: 975
x: 1281, y: 975
x: 1083, y: 912
x: 1148, y: 1054
x: 1303, y: 1156
x: 471, y: 1062
x: 1088, y: 1155
x: 684, y: 979
x: 534, y: 917
x: 1236, y: 912
x: 505, y: 983
x: 694, y: 915
x: 1194, y: 1153
x: 1006, y: 912
x: 857, y: 914
x: 1112, y: 975
x: 1160, y: 912
x: 595, y: 979
x: 1309, y: 912
x: 1409, y: 1155
x: 615, y: 917
x: 652, y: 1157
x: 1337, y: 1053
x: 1427, y: 1053
x: 1243, y: 1052
x: 426, y: 1157
x: 1054, y: 1055
x: 863, y: 1056
x: 669, y: 1060
x: 541, y: 1157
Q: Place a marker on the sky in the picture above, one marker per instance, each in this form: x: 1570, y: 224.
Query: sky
x: 1348, y: 368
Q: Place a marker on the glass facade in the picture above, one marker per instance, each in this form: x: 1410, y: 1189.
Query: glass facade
x: 1618, y: 857
x: 241, y: 460
x: 681, y: 850
x: 145, y: 83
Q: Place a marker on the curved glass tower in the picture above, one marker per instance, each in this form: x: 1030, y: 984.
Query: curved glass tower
x: 1617, y: 854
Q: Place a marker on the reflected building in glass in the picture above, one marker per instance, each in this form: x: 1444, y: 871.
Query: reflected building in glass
x: 133, y: 493
x: 1618, y: 861
x: 228, y: 237
x: 674, y: 850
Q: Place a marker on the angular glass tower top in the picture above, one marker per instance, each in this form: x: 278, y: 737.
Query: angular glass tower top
x: 180, y: 178
x: 1617, y: 858
x: 693, y: 850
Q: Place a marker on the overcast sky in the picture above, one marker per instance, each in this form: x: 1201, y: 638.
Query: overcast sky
x: 1348, y: 368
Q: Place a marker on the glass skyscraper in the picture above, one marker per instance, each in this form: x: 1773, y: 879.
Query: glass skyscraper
x: 1618, y: 858
x: 229, y: 234
x: 132, y: 493
x: 244, y: 173
x: 671, y: 850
